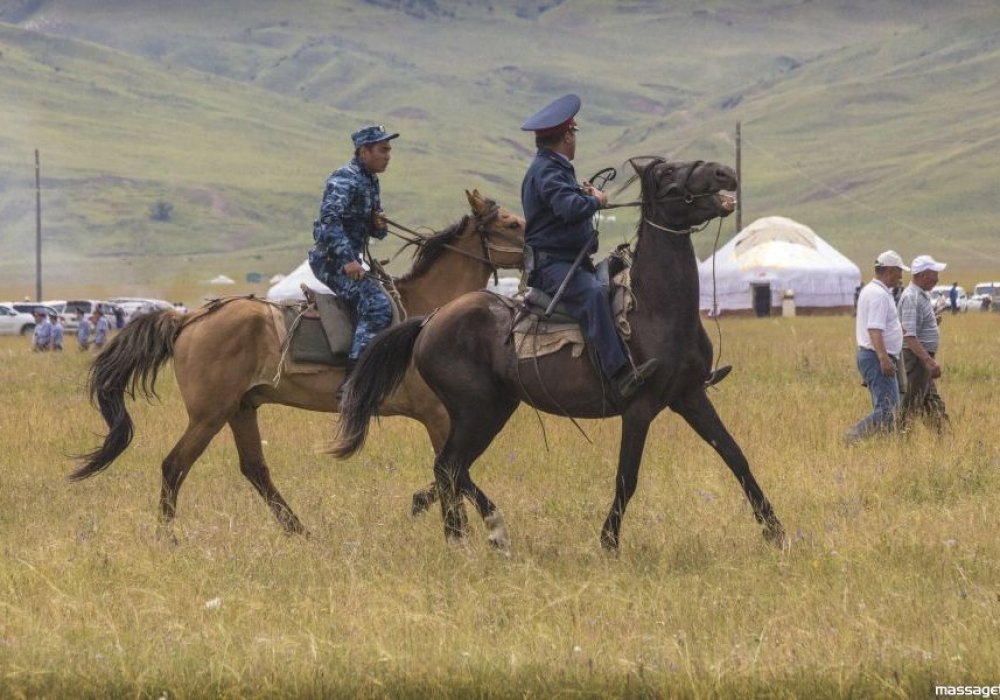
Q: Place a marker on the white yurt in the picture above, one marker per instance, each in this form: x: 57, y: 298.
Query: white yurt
x: 288, y: 286
x: 775, y: 259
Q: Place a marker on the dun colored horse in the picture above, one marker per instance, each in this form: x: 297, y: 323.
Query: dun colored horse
x: 226, y: 356
x: 465, y: 355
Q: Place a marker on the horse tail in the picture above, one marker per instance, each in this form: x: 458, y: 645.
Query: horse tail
x: 380, y: 370
x: 129, y: 363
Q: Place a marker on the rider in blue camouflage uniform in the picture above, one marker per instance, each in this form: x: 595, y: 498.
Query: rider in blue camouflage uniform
x: 559, y: 213
x: 351, y: 213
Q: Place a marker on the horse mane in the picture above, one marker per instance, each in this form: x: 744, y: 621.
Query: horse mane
x: 429, y: 249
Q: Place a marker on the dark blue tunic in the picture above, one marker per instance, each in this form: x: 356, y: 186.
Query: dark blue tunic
x: 559, y: 225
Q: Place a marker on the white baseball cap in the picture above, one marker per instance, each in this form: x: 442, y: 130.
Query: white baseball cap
x: 922, y: 263
x: 890, y: 258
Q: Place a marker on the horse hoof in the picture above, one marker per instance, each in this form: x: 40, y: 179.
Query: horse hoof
x: 775, y: 536
x: 609, y: 543
x: 421, y: 502
x: 499, y: 537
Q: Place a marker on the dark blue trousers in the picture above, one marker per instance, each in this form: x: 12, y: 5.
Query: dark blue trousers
x: 587, y: 301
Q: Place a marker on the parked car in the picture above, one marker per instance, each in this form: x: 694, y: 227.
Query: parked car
x: 69, y: 309
x: 29, y: 307
x: 15, y: 322
x: 135, y: 306
x: 985, y: 295
x: 941, y: 298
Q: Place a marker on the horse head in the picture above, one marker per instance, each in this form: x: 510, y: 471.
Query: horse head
x: 501, y: 231
x: 679, y: 196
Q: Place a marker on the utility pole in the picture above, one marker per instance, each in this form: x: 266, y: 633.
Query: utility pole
x: 38, y: 228
x: 739, y: 178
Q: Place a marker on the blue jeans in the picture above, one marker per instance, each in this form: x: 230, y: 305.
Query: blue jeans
x: 885, y: 397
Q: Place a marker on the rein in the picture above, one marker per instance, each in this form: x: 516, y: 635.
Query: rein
x: 419, y: 240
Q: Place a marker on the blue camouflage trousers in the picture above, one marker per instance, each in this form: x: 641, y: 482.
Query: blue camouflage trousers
x: 366, y: 297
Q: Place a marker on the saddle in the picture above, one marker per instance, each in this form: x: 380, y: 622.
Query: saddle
x: 535, y: 336
x: 320, y: 330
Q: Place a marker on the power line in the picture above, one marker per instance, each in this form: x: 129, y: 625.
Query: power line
x: 863, y: 205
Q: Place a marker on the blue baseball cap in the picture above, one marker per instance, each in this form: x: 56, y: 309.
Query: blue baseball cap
x: 371, y: 134
x: 555, y: 117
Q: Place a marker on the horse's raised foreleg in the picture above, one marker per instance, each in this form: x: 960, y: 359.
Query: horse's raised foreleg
x: 246, y: 432
x: 634, y: 431
x: 700, y: 414
x: 178, y: 463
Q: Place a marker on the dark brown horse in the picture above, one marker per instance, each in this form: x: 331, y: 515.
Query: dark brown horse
x: 227, y: 358
x: 464, y: 354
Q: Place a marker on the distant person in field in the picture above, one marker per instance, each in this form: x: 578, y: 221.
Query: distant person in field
x: 920, y: 345
x: 119, y: 318
x: 879, y: 337
x: 101, y: 329
x: 953, y: 297
x: 350, y: 214
x: 83, y: 329
x: 41, y: 339
x: 56, y: 343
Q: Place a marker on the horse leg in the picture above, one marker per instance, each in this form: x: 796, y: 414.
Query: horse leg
x: 700, y: 414
x: 634, y: 432
x: 499, y: 537
x: 437, y: 423
x: 469, y: 438
x: 178, y: 463
x: 246, y: 432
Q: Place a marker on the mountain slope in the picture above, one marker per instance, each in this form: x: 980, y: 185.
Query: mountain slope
x: 874, y: 123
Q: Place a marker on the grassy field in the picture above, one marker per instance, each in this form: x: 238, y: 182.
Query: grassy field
x: 889, y: 587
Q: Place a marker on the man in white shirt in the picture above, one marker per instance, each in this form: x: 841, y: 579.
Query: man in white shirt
x: 880, y: 341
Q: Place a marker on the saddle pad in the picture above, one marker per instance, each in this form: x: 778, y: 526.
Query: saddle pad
x: 316, y: 341
x: 325, y: 340
x: 535, y: 337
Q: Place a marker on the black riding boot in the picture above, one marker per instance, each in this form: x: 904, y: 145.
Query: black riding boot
x: 348, y: 368
x: 627, y: 380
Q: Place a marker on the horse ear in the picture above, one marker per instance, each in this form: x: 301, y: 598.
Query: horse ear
x: 638, y: 165
x: 476, y: 201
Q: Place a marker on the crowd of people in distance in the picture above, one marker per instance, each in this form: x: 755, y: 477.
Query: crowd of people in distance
x: 92, y: 330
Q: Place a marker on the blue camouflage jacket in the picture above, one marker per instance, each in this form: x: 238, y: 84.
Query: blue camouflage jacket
x: 557, y: 211
x: 345, y: 216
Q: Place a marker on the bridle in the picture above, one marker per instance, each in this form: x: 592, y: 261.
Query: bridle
x: 672, y: 193
x: 483, y: 229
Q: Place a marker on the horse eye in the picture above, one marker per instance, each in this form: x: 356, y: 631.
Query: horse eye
x: 513, y: 225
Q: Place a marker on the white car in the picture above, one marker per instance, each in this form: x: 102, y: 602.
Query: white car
x: 68, y: 310
x: 136, y: 306
x: 941, y: 298
x: 15, y: 322
x: 982, y: 292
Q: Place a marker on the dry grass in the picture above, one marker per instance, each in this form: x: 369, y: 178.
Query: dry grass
x: 890, y: 585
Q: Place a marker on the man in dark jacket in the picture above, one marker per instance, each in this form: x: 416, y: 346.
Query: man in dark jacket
x: 559, y: 213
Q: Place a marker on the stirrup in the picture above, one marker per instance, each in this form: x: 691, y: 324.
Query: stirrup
x: 717, y: 375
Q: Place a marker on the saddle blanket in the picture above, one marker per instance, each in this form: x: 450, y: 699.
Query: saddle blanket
x: 536, y: 337
x: 320, y: 334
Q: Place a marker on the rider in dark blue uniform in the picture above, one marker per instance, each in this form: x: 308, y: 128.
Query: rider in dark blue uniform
x: 559, y: 213
x: 350, y: 213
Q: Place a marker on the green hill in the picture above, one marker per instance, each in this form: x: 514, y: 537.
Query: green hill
x: 874, y: 123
